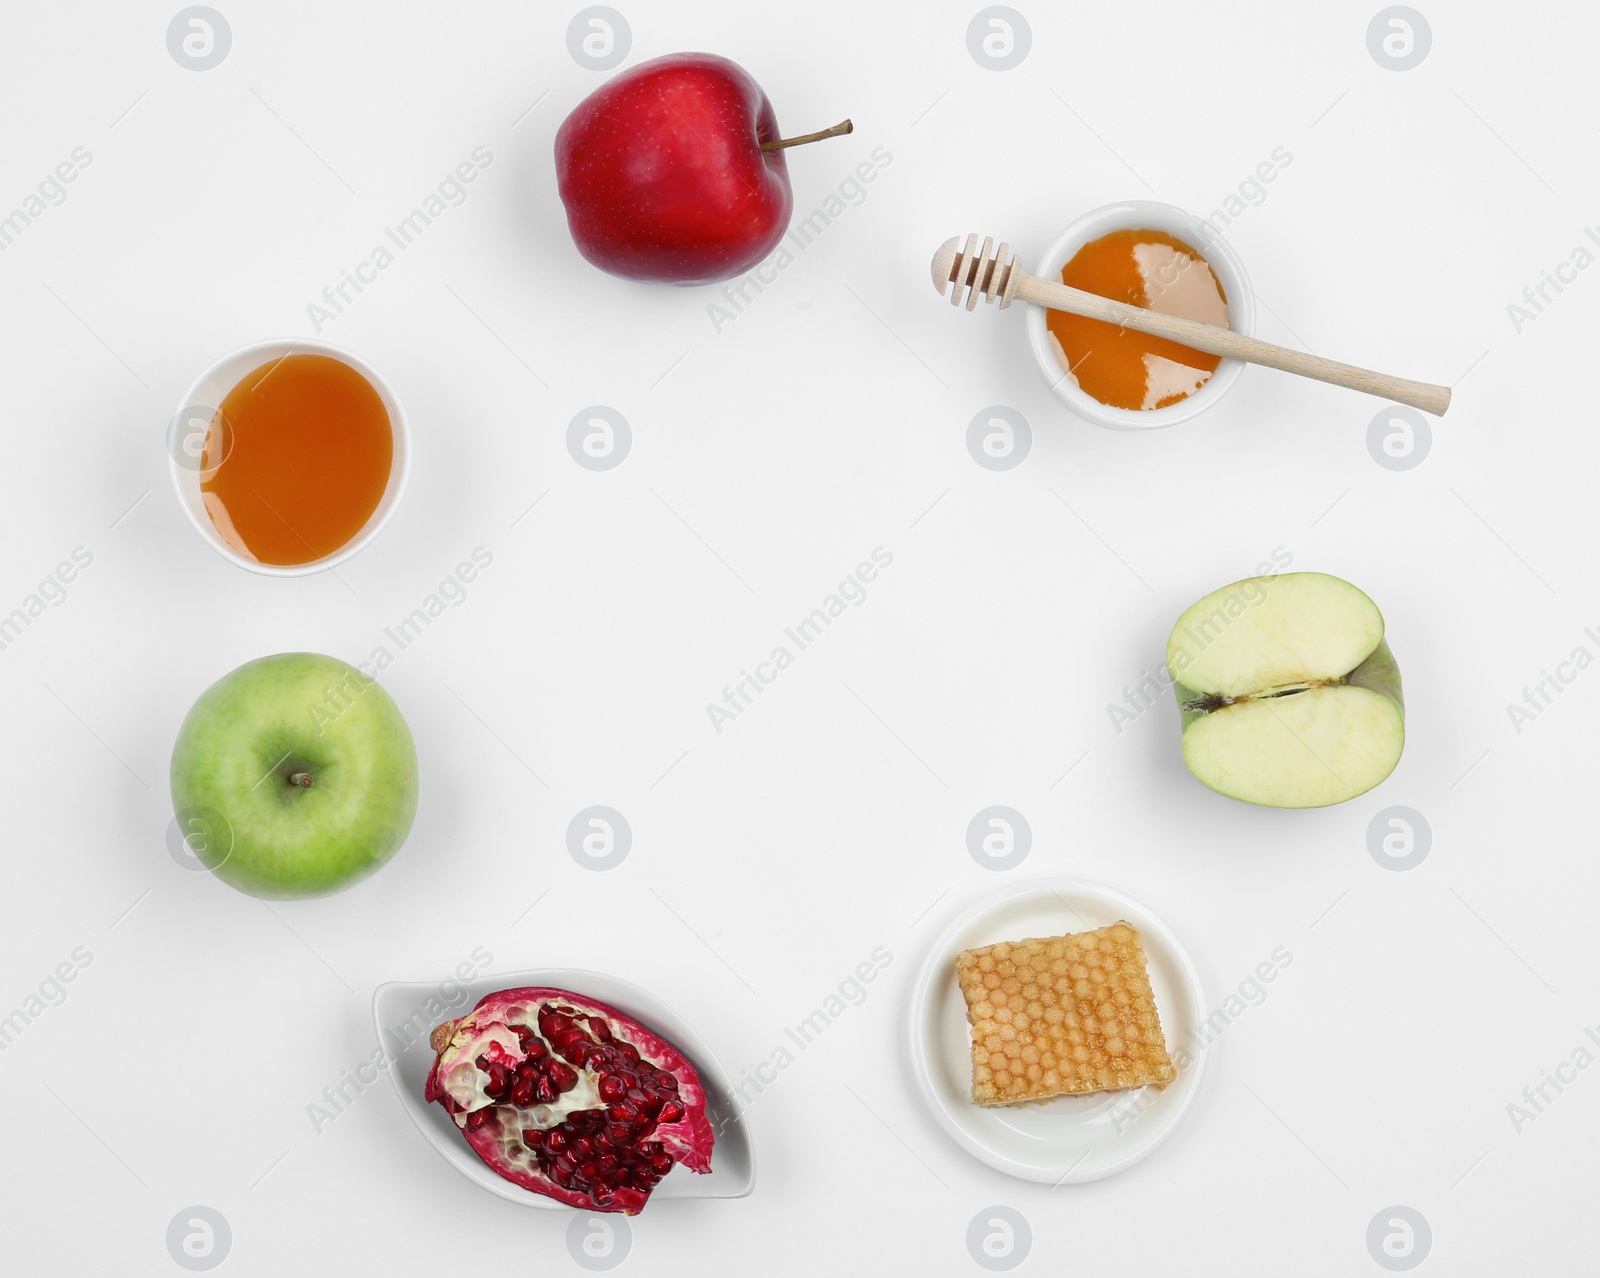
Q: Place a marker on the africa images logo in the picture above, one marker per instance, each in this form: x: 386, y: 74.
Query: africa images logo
x: 851, y: 592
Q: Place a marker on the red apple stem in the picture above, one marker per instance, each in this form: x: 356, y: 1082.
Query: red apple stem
x: 837, y: 131
x: 301, y: 779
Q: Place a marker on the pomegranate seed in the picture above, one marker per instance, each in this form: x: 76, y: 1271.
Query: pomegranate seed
x: 533, y: 1138
x: 660, y: 1164
x: 612, y: 1089
x: 477, y: 1119
x: 671, y: 1112
x: 544, y: 1091
x: 624, y: 1114
x: 630, y: 1051
x: 589, y: 1171
x: 600, y: 1029
x: 583, y: 1146
x: 647, y: 1103
x: 555, y: 1138
x: 482, y: 1063
x: 522, y: 1092
x: 536, y: 1050
x: 563, y: 1076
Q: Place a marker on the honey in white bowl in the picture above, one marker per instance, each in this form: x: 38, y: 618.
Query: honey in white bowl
x: 298, y: 461
x: 1155, y: 271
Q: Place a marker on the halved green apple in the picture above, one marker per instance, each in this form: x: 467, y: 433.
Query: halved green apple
x: 1289, y: 695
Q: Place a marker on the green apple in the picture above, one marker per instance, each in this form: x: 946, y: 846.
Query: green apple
x: 1289, y: 695
x: 300, y: 772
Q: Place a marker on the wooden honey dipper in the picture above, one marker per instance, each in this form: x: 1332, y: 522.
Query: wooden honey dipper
x: 978, y: 272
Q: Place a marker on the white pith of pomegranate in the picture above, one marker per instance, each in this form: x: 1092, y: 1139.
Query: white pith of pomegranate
x: 569, y: 1098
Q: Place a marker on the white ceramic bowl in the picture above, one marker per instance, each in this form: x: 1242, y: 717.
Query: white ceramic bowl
x: 1142, y: 215
x: 398, y: 1008
x: 1072, y: 1138
x: 186, y: 430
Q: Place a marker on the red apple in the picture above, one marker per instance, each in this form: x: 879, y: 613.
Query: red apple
x: 674, y: 171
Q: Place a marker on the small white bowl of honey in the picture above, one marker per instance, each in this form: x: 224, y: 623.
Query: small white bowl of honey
x: 1150, y: 255
x: 289, y: 456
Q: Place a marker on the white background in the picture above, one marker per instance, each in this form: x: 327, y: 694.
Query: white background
x: 768, y: 460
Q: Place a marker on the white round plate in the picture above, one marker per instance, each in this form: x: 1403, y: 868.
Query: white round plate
x: 1071, y: 1138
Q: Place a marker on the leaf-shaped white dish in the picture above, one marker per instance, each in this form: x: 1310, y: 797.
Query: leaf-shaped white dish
x: 401, y: 1012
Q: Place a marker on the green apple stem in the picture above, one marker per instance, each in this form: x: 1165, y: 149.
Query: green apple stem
x: 837, y: 131
x: 301, y: 779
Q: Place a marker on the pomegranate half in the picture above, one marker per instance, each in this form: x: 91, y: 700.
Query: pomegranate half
x: 568, y: 1097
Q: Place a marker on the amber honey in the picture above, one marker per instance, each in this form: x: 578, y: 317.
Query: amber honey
x: 297, y: 459
x: 1158, y: 272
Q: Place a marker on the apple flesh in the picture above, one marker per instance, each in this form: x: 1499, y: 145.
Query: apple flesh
x: 674, y: 171
x: 1289, y: 695
x: 301, y: 772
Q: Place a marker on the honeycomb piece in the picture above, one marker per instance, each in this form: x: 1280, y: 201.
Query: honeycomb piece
x: 1062, y: 1016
